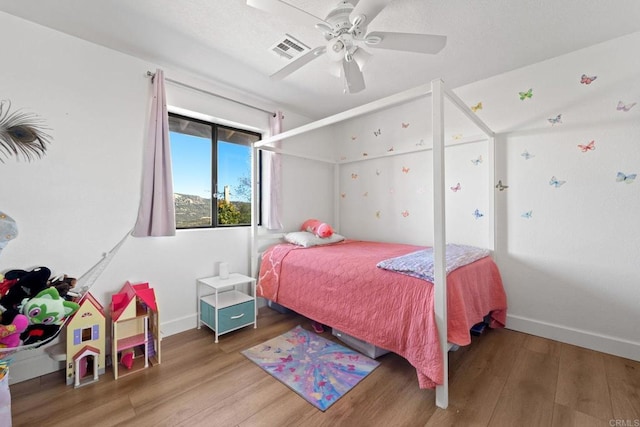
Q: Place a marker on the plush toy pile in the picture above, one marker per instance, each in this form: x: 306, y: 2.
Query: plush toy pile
x: 33, y: 306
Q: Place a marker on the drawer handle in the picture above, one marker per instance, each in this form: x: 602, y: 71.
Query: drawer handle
x: 237, y: 317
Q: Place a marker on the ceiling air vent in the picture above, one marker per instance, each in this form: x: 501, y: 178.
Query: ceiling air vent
x: 289, y: 48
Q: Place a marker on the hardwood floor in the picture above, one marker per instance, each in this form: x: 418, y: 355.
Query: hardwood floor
x: 504, y: 378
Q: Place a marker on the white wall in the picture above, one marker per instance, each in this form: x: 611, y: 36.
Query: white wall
x: 570, y: 270
x: 386, y: 176
x: 81, y: 198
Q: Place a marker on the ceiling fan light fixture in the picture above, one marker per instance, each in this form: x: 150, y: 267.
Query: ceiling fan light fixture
x: 336, y: 49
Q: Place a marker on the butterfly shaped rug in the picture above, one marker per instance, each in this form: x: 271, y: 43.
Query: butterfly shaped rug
x: 319, y: 370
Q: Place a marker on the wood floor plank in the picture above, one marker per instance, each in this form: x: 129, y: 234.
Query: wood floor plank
x: 502, y: 378
x: 564, y: 416
x: 527, y: 397
x: 623, y: 376
x: 582, y: 382
x: 477, y: 385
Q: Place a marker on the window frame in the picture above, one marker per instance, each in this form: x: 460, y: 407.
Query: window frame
x: 214, y: 195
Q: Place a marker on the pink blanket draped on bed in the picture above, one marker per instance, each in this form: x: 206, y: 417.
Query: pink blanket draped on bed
x: 339, y: 285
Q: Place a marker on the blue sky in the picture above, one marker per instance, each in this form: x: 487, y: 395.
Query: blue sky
x: 191, y: 164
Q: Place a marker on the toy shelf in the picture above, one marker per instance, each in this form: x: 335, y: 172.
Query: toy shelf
x: 139, y: 363
x: 130, y: 342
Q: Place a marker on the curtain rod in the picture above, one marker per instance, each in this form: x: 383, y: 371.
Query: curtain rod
x: 152, y: 75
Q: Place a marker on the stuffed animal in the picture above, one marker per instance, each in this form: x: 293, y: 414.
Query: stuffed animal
x: 320, y: 229
x: 10, y: 334
x: 48, y: 308
x: 24, y: 285
x: 46, y: 313
x: 64, y: 284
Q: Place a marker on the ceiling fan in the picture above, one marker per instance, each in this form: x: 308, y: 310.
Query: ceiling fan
x: 345, y: 32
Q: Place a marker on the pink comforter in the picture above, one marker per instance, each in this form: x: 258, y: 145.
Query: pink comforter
x: 339, y: 285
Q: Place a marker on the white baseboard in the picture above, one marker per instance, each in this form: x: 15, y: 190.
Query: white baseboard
x: 33, y: 365
x: 591, y: 340
x: 178, y: 325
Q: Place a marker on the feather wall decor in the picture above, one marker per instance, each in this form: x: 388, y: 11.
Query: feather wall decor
x: 21, y: 133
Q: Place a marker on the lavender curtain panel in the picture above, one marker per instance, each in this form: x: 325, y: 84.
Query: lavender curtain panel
x: 272, y: 184
x: 156, y: 214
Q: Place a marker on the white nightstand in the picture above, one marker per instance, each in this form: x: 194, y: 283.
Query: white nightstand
x: 223, y: 307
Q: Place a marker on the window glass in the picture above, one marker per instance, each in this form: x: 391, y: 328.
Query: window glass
x: 211, y: 173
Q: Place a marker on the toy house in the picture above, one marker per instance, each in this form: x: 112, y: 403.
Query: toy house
x: 86, y: 343
x: 135, y: 336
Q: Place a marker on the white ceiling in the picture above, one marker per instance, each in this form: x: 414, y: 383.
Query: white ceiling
x: 228, y: 41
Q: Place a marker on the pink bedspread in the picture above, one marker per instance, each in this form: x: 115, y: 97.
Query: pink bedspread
x: 339, y: 285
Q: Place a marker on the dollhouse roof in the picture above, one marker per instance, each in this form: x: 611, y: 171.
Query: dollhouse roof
x: 87, y: 349
x: 128, y: 294
x: 89, y: 299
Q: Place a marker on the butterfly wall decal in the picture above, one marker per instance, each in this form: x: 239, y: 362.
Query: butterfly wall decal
x: 21, y: 133
x: 590, y: 146
x: 555, y: 120
x: 364, y: 154
x: 527, y: 214
x: 476, y: 107
x: 628, y: 179
x: 405, y: 169
x: 555, y: 182
x: 456, y: 136
x: 500, y: 186
x: 405, y: 125
x: 390, y: 150
x: 625, y: 107
x: 456, y: 188
x: 525, y: 95
x: 377, y: 132
x: 420, y: 144
x: 477, y: 161
x: 405, y: 213
x: 378, y: 172
x: 586, y: 80
x: 378, y: 214
x: 354, y: 176
x: 477, y: 214
x: 353, y: 138
x: 527, y: 155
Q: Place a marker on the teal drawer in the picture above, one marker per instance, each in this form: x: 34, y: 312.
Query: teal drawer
x: 236, y: 316
x: 207, y: 315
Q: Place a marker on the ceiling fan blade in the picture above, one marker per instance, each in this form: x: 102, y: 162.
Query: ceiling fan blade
x: 420, y: 43
x: 353, y: 76
x: 280, y: 8
x: 369, y: 9
x: 298, y: 63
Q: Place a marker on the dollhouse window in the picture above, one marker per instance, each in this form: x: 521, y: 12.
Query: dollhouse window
x: 81, y: 335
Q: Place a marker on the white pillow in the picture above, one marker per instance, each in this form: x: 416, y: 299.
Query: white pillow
x: 307, y: 239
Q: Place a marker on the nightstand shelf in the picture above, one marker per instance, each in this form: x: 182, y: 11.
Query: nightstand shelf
x: 224, y: 306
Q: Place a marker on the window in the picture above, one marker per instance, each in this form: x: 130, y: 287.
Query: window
x: 211, y: 173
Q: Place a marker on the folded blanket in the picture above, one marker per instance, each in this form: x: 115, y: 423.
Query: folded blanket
x: 420, y: 263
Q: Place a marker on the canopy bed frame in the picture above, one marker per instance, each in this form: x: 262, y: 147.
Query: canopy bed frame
x: 438, y: 93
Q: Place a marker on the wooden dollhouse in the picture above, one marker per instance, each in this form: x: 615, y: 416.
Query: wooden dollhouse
x: 135, y: 338
x: 86, y: 343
